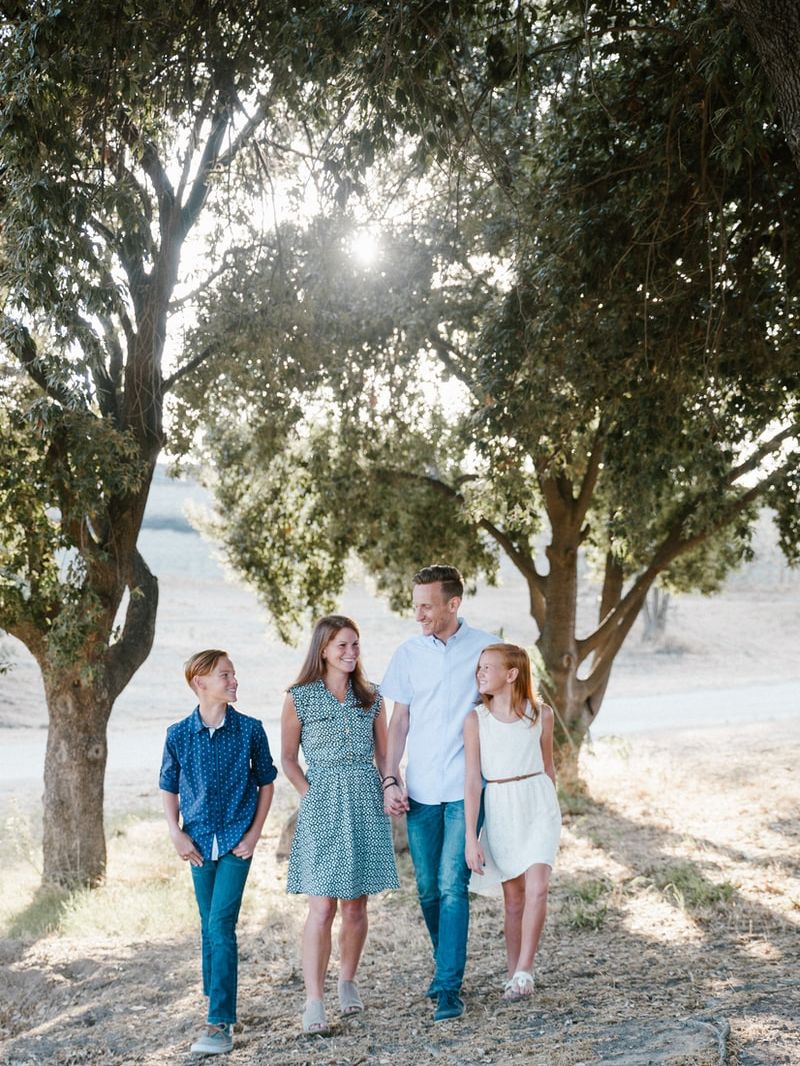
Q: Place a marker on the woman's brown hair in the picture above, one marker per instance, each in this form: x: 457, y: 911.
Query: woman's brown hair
x: 313, y: 669
x: 522, y: 693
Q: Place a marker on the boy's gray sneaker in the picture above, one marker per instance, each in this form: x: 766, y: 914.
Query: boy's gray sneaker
x: 215, y: 1041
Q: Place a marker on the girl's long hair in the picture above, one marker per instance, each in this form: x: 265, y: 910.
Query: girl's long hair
x: 313, y: 669
x: 522, y: 694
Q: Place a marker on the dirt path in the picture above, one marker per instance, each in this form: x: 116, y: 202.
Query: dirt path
x: 672, y: 939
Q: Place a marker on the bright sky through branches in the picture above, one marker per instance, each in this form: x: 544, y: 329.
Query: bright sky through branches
x: 364, y: 246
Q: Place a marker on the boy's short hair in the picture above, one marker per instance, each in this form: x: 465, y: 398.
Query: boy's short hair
x: 201, y: 663
x: 450, y: 577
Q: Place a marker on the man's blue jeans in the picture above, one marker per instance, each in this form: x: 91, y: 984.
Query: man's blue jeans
x: 218, y: 887
x: 436, y: 838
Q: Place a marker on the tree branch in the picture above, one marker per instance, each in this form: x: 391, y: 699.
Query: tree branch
x: 613, y: 580
x: 249, y: 128
x: 557, y: 495
x: 130, y: 651
x: 187, y: 368
x: 133, y: 267
x: 523, y: 561
x: 23, y: 347
x: 763, y: 451
x: 445, y: 350
x: 116, y: 358
x: 103, y: 383
x: 592, y: 472
x: 208, y: 161
x: 151, y: 164
x: 194, y: 138
x: 610, y: 634
x: 229, y: 257
x: 212, y: 160
x: 615, y: 636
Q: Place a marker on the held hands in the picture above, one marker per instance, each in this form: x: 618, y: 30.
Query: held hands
x: 473, y: 853
x: 395, y: 798
x: 184, y: 845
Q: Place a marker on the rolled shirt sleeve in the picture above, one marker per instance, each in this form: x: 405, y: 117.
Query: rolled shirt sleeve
x: 261, y: 758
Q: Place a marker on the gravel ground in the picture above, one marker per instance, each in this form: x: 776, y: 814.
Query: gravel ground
x: 672, y: 939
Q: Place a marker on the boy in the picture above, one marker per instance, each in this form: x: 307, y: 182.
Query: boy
x: 217, y: 772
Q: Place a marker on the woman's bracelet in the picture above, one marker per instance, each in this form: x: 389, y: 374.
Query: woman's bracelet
x: 388, y: 781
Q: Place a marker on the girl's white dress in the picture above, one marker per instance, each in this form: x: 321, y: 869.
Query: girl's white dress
x: 522, y: 823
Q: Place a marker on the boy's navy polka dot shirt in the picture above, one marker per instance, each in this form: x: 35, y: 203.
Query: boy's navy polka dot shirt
x: 217, y: 776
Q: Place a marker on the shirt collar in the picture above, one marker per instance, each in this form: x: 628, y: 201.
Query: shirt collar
x: 436, y: 642
x: 198, y: 725
x: 348, y: 691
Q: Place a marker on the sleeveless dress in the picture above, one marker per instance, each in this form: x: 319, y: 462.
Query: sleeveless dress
x: 522, y: 819
x: 342, y: 844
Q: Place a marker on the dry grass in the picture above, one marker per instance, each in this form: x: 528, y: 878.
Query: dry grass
x: 672, y: 937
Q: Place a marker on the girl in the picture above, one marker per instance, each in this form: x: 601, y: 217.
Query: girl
x: 342, y: 847
x: 508, y: 739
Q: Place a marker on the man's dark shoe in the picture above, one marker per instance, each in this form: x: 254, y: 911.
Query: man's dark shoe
x: 450, y: 1005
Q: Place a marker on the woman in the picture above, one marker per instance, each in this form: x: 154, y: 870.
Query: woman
x: 342, y: 848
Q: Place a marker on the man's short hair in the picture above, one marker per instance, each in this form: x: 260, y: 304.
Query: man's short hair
x: 450, y: 577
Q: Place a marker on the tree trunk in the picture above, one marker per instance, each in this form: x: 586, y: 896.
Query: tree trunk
x: 74, y: 844
x: 656, y: 608
x: 558, y: 648
x: 574, y: 715
x: 576, y: 694
x: 80, y: 698
x: 773, y: 28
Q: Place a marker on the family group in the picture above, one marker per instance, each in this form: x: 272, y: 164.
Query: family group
x: 478, y: 797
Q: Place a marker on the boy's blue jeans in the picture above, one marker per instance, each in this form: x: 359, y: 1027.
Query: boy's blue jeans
x: 218, y: 887
x: 436, y: 839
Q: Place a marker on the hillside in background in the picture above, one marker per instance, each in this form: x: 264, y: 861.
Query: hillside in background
x: 745, y: 635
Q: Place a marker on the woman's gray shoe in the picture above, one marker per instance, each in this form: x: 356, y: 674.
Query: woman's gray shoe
x: 349, y: 998
x: 314, y: 1021
x: 215, y: 1041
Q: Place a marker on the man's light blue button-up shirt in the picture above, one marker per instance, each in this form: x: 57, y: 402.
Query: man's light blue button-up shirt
x: 437, y: 682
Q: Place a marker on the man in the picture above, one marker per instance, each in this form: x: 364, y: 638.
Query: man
x: 431, y: 679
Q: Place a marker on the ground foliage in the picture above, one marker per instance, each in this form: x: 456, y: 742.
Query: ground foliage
x: 591, y: 247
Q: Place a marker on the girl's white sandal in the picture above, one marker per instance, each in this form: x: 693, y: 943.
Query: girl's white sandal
x: 519, y: 986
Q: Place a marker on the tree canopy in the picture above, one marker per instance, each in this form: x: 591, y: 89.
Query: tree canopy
x: 598, y: 255
x: 129, y: 132
x: 583, y: 328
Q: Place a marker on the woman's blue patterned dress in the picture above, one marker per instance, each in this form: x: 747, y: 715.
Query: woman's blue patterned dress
x: 342, y: 845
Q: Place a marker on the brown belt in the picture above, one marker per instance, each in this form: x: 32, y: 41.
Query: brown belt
x: 505, y: 780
